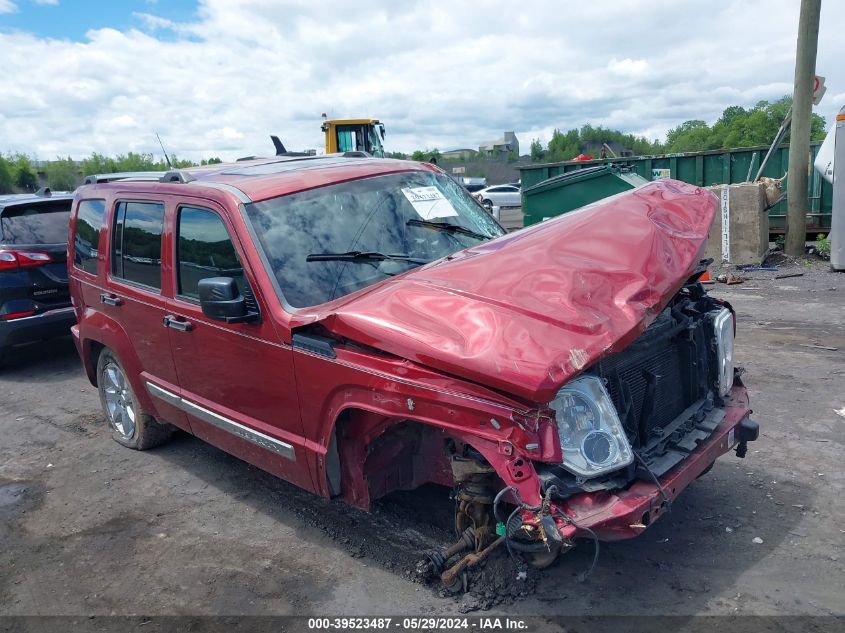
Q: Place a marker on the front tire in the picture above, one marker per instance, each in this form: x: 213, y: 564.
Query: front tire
x: 130, y: 425
x: 487, y: 205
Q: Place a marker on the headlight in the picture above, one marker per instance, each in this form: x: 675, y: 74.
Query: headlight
x: 723, y: 329
x: 591, y: 435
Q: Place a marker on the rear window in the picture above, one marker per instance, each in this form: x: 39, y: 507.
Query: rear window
x: 35, y: 223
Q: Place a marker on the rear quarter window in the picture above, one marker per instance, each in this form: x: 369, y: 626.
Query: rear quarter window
x: 35, y: 223
x: 89, y: 222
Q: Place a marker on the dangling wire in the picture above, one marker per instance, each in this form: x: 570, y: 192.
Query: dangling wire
x: 663, y: 494
x: 496, y: 501
x: 584, y: 574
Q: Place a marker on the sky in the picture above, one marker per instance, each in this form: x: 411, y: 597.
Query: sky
x: 217, y: 77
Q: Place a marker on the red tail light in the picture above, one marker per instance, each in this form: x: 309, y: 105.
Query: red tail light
x: 13, y: 260
x: 16, y: 315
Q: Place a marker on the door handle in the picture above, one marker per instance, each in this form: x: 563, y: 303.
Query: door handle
x: 110, y: 300
x: 182, y: 326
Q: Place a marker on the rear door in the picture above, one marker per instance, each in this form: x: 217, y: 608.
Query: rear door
x: 33, y: 268
x: 236, y: 379
x: 134, y: 299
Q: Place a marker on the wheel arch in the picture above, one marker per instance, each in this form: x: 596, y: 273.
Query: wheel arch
x: 100, y: 332
x: 370, y: 454
x: 356, y: 414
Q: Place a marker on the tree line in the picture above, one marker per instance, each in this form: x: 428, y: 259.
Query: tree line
x: 736, y: 127
x: 19, y: 172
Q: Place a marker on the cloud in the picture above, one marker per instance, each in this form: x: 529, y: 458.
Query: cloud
x: 51, y: 3
x: 438, y: 75
x: 628, y: 66
x: 154, y: 22
x: 7, y: 6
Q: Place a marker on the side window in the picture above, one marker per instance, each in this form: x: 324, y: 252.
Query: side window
x: 204, y: 249
x: 136, y: 251
x: 345, y: 140
x: 89, y: 222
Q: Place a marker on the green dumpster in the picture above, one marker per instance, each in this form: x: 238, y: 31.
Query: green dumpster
x: 574, y: 189
x: 713, y: 167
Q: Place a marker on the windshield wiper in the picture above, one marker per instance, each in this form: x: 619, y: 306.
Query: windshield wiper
x: 364, y: 256
x: 448, y: 228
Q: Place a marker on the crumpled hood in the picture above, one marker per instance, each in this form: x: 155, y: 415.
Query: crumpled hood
x: 527, y: 312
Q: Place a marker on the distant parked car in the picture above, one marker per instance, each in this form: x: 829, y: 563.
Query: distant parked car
x: 473, y: 184
x: 34, y: 296
x: 500, y: 196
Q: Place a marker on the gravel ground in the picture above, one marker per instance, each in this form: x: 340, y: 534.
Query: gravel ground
x: 89, y: 527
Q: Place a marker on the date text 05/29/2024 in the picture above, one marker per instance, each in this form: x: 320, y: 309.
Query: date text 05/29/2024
x: 417, y: 624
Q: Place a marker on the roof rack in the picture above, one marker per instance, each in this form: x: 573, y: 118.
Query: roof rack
x: 94, y: 179
x: 177, y: 175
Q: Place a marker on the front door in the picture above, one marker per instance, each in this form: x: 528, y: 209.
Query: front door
x: 236, y: 379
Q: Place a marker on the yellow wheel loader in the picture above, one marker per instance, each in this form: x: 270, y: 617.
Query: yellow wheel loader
x: 344, y: 135
x: 354, y: 135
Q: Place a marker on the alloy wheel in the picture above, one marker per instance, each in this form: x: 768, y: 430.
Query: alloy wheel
x: 120, y: 408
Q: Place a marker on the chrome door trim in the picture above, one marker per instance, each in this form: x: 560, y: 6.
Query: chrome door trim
x: 223, y: 423
x: 163, y: 394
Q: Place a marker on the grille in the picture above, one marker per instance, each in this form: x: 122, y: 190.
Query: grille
x: 669, y: 356
x: 669, y: 399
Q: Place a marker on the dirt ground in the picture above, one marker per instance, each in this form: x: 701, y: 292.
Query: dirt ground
x: 88, y: 527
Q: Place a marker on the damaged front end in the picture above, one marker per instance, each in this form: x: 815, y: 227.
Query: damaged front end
x: 633, y: 430
x: 640, y: 425
x: 591, y: 333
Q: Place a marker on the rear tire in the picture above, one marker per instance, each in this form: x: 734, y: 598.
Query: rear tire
x: 130, y: 425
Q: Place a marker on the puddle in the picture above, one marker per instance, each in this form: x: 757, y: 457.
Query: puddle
x: 12, y: 493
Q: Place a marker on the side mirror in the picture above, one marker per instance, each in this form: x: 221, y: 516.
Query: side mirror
x: 221, y: 300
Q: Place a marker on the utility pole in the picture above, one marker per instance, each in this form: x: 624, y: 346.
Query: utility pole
x: 799, y: 139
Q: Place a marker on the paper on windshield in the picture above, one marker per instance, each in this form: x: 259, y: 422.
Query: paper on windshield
x: 429, y: 202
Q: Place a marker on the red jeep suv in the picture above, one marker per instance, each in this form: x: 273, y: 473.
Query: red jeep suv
x: 358, y: 326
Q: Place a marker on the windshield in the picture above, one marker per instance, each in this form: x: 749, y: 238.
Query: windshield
x: 361, y: 232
